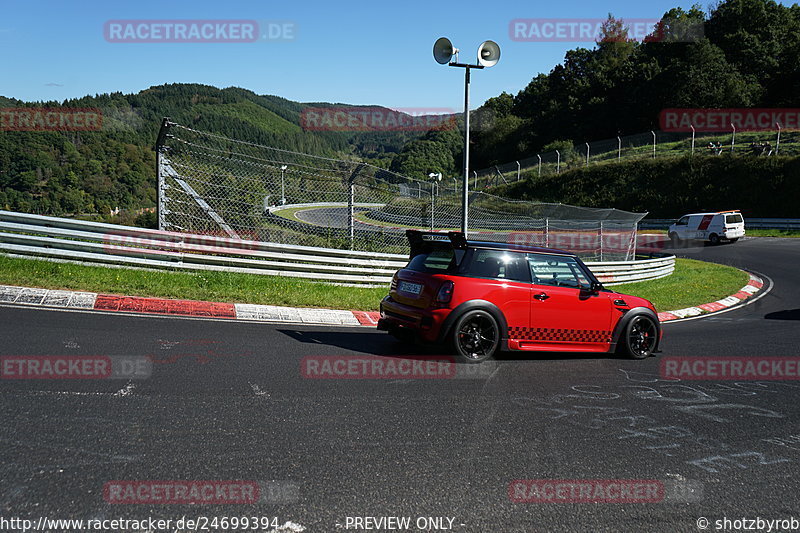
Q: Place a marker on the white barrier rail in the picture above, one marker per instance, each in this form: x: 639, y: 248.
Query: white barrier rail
x: 80, y: 241
x: 753, y: 223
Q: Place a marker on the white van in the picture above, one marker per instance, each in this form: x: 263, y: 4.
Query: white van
x: 711, y: 227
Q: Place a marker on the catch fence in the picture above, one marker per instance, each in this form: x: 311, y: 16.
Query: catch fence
x: 214, y: 185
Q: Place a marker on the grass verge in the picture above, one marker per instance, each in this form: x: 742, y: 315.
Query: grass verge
x: 212, y: 286
x: 693, y: 283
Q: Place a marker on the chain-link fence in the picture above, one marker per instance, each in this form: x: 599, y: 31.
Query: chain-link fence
x: 210, y: 184
x: 652, y: 144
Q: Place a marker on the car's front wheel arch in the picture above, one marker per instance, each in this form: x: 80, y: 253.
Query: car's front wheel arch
x: 622, y: 326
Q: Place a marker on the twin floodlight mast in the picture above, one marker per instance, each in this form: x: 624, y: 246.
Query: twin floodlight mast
x: 488, y: 56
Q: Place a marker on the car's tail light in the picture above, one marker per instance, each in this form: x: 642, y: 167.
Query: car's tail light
x: 393, y: 287
x: 445, y: 292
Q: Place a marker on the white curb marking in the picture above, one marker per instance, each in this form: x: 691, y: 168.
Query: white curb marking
x: 729, y: 301
x: 45, y: 297
x: 291, y: 314
x: 689, y: 311
x: 82, y: 300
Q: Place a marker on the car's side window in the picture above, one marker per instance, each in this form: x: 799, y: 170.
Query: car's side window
x: 498, y: 264
x: 557, y: 271
x: 683, y: 221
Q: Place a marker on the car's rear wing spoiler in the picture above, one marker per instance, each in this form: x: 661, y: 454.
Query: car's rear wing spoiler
x: 423, y: 241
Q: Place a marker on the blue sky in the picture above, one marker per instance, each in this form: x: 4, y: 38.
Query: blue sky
x: 352, y: 52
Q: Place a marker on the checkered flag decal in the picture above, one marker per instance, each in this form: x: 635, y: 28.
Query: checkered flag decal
x: 558, y: 334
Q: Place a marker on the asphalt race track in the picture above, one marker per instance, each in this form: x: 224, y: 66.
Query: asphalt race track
x: 227, y: 401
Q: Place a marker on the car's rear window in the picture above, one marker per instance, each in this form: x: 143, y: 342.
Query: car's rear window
x: 733, y: 219
x: 440, y: 259
x: 497, y: 264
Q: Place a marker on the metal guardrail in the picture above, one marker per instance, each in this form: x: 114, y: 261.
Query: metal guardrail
x: 61, y: 239
x: 753, y: 223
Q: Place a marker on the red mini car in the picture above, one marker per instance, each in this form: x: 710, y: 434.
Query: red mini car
x: 481, y: 297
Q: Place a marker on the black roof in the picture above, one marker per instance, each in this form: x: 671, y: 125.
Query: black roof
x: 516, y: 247
x: 419, y: 239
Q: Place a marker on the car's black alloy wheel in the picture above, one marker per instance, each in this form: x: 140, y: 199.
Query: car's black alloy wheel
x: 641, y: 336
x: 476, y: 336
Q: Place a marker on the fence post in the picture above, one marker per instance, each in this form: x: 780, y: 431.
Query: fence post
x: 547, y: 233
x: 519, y: 170
x: 601, y: 241
x: 432, y: 203
x: 162, y: 186
x: 778, y: 142
x: 540, y: 164
x: 619, y: 148
x: 351, y: 214
x: 475, y: 173
x: 733, y: 137
x: 558, y: 162
x: 692, y: 138
x: 654, y: 143
x: 162, y: 201
x: 350, y: 199
x: 587, y: 154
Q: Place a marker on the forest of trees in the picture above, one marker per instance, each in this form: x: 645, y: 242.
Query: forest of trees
x: 749, y: 56
x: 97, y: 171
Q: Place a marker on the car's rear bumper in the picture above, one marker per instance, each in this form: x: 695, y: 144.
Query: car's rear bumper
x: 733, y: 234
x: 425, y: 323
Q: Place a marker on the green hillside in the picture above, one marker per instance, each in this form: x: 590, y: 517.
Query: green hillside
x: 93, y: 172
x: 668, y: 187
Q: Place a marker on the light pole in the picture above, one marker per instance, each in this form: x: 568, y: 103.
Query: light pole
x: 435, y: 177
x: 283, y: 195
x: 488, y: 56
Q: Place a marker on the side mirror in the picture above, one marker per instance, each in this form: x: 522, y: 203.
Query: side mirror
x: 595, y: 286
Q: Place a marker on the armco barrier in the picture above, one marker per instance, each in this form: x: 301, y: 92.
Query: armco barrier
x: 753, y: 223
x: 62, y: 239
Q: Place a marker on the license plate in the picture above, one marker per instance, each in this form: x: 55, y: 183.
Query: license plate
x: 411, y: 288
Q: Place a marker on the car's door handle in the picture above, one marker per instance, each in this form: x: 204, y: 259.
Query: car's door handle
x: 541, y: 296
